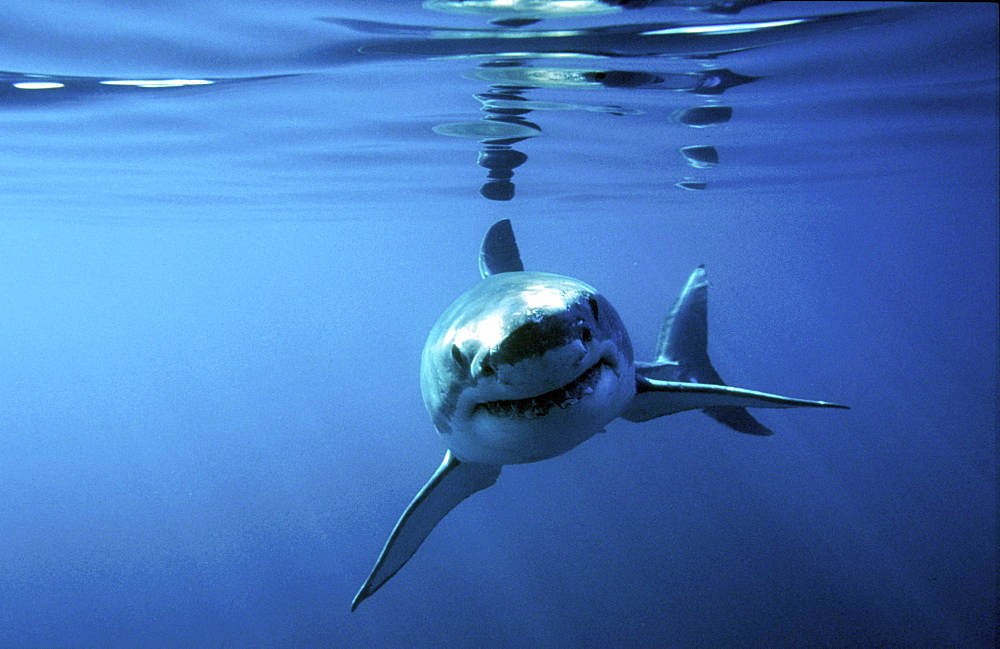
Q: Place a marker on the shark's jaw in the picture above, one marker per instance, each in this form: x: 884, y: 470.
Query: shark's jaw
x: 524, y: 367
x: 529, y: 429
x: 563, y: 397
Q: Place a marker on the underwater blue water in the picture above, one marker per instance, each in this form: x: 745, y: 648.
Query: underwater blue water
x: 213, y: 299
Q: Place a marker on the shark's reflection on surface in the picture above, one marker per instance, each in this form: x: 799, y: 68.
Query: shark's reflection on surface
x: 506, y: 104
x: 523, y: 67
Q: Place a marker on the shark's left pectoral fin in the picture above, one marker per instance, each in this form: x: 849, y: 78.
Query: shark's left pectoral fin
x: 655, y: 398
x: 453, y: 482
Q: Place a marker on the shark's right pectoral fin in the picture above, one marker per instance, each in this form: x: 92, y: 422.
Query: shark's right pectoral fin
x: 453, y: 482
x: 655, y: 398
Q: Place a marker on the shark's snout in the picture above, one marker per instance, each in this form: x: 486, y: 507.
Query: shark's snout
x: 546, y: 371
x: 539, y: 336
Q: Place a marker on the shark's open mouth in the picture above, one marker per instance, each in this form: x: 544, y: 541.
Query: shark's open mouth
x: 539, y: 406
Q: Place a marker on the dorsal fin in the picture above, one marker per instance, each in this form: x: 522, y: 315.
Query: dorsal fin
x: 499, y: 253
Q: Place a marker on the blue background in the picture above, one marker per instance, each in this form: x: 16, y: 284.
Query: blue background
x: 213, y: 301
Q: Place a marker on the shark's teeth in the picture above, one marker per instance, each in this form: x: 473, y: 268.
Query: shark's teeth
x: 539, y: 406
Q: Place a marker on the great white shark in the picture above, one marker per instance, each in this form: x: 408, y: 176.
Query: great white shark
x: 527, y: 365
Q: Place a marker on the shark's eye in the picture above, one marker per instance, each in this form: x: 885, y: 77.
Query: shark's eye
x: 585, y: 334
x: 486, y: 369
x: 593, y: 306
x: 459, y: 357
